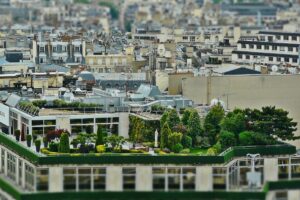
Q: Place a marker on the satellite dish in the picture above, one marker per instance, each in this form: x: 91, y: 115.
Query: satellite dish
x: 274, y: 68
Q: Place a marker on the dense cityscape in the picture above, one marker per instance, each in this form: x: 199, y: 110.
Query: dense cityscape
x: 149, y: 99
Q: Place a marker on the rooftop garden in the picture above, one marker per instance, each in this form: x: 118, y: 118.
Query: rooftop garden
x: 195, y: 140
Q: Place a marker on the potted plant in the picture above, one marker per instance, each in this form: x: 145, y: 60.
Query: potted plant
x: 17, y: 134
x: 28, y: 140
x: 37, y: 143
x: 75, y: 143
x: 45, y: 141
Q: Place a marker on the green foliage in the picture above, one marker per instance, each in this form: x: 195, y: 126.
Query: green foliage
x: 173, y: 119
x: 173, y: 139
x: 157, y: 108
x: 137, y: 130
x: 185, y: 117
x: 100, y: 148
x: 39, y: 103
x: 114, y: 12
x: 100, y: 136
x: 227, y: 139
x: 28, y: 137
x: 234, y: 122
x: 177, y: 148
x: 186, y: 141
x: 248, y: 138
x: 53, y: 146
x: 164, y: 119
x: 212, y: 123
x: 64, y: 145
x: 271, y: 121
x: 37, y: 143
x: 115, y: 141
x: 185, y: 151
x: 194, y: 126
x: 58, y: 103
x: 165, y: 132
x: 17, y: 133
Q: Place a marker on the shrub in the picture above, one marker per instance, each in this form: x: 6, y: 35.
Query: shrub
x: 254, y: 138
x: 227, y: 139
x: 17, y: 134
x: 64, y: 145
x: 100, y: 136
x: 174, y: 138
x: 37, y: 145
x: 75, y: 143
x: 28, y: 140
x: 177, y: 148
x: 187, y: 141
x: 211, y: 151
x: 136, y: 151
x: 245, y: 138
x: 217, y: 147
x: 185, y: 151
x: 53, y: 146
x: 166, y: 131
x: 100, y: 148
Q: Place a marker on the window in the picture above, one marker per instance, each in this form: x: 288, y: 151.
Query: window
x: 159, y: 182
x: 270, y: 38
x: 274, y: 48
x: 295, y: 60
x: 247, y: 57
x: 266, y: 47
x: 2, y: 160
x: 42, y: 179
x: 278, y: 59
x: 286, y: 59
x: 294, y: 38
x: 184, y: 37
x: 251, y: 46
x: 11, y: 166
x: 243, y: 46
x: 192, y: 38
x: 174, y: 179
x: 286, y: 37
x: 283, y: 169
x: 278, y: 37
x: 29, y: 177
x: 54, y: 49
x: 240, y: 56
x: 84, y: 178
x: 219, y: 178
x: 42, y: 49
x: 20, y: 168
x: 258, y: 46
x: 262, y: 38
x: 99, y: 178
x: 129, y: 178
x: 281, y: 48
x: 69, y: 178
x: 290, y: 48
x: 188, y: 178
x: 270, y: 58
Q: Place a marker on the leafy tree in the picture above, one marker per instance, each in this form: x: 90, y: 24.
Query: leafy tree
x: 227, y: 139
x: 212, y: 122
x: 194, y: 126
x: 64, y: 145
x: 100, y: 136
x: 165, y: 132
x: 177, y: 148
x: 180, y: 128
x: 137, y: 130
x: 174, y: 138
x: 185, y: 117
x: 115, y: 141
x: 173, y: 119
x: 272, y: 122
x: 187, y: 141
x: 254, y: 138
x: 164, y: 119
x: 234, y: 122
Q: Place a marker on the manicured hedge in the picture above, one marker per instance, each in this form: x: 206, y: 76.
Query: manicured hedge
x: 33, y: 157
x: 283, y: 185
x: 9, y: 189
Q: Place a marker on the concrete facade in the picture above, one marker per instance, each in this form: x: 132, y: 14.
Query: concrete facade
x: 270, y: 169
x: 254, y: 91
x: 204, y: 181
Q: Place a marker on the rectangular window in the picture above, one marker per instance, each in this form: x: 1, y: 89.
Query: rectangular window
x: 69, y: 178
x: 290, y: 48
x: 188, y: 178
x: 247, y: 57
x: 258, y: 46
x: 84, y: 176
x: 11, y: 166
x: 2, y: 160
x: 286, y: 59
x: 278, y: 59
x: 286, y: 37
x: 129, y: 178
x: 270, y: 38
x: 174, y: 179
x: 243, y: 46
x: 42, y: 49
x: 266, y: 47
x: 219, y: 178
x: 278, y: 37
x: 42, y: 178
x: 281, y: 48
x: 274, y: 48
x: 240, y: 56
x: 20, y: 168
x: 159, y: 176
x: 294, y: 38
x: 270, y: 58
x: 295, y: 60
x: 29, y: 177
x: 99, y: 178
x: 251, y: 46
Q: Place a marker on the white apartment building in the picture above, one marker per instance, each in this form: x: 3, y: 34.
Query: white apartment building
x: 269, y: 47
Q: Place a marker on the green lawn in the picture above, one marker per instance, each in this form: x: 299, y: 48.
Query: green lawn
x: 198, y: 151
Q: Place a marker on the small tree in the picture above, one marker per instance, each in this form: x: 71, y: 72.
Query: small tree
x: 187, y: 141
x: 194, y: 126
x: 100, y: 136
x: 234, y: 122
x: 212, y: 123
x: 166, y: 131
x: 164, y: 119
x: 173, y: 139
x: 64, y: 145
x: 227, y: 139
x: 185, y: 117
x: 173, y: 120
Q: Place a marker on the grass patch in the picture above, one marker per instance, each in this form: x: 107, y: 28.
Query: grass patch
x: 198, y: 150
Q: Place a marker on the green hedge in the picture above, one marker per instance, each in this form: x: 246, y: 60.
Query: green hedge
x: 283, y: 185
x: 9, y: 189
x: 142, y: 158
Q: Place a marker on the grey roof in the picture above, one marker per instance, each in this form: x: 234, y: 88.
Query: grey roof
x: 87, y: 76
x: 13, y: 100
x: 53, y: 68
x: 148, y: 90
